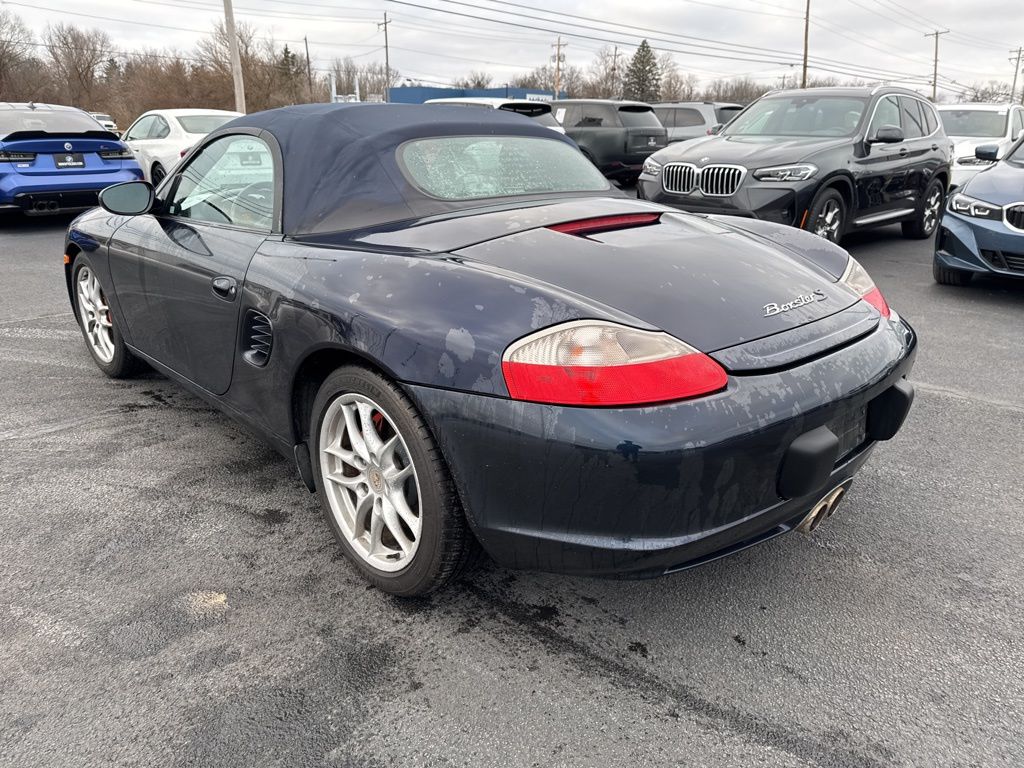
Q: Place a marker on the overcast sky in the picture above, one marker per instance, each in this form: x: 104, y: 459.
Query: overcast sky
x: 880, y: 39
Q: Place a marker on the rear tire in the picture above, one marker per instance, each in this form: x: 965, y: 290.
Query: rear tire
x: 946, y: 276
x: 926, y: 218
x: 99, y: 328
x: 157, y: 174
x: 827, y: 215
x: 394, y: 511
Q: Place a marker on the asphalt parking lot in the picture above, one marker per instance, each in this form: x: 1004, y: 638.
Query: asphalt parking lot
x: 172, y: 597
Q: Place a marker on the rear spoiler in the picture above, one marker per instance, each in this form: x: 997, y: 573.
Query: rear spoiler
x: 26, y: 135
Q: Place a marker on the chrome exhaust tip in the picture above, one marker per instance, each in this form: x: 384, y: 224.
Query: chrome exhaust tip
x: 824, y: 509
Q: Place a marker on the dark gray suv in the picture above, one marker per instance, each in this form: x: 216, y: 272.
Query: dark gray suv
x: 617, y: 136
x: 829, y: 160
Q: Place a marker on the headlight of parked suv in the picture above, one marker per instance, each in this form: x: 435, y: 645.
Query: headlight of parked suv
x: 786, y: 172
x: 651, y: 168
x: 970, y: 206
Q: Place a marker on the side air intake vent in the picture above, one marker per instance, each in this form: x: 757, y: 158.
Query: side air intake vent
x: 257, y: 338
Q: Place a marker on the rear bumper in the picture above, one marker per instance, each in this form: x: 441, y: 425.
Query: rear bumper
x: 644, y: 491
x: 768, y: 201
x: 44, y: 194
x: 979, y: 245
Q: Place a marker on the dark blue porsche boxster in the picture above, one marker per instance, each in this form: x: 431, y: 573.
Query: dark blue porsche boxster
x: 464, y: 337
x: 982, y: 228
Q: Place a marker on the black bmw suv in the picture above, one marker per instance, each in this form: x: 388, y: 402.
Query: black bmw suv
x: 829, y: 160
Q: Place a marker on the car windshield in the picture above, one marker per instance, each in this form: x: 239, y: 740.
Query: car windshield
x: 976, y: 123
x: 639, y: 117
x: 799, y: 115
x: 1016, y: 154
x: 203, y: 124
x: 46, y: 121
x: 100, y: 116
x: 474, y: 167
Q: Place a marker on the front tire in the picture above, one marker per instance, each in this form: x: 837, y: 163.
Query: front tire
x: 927, y: 216
x: 99, y: 329
x: 827, y: 215
x: 384, y: 486
x: 946, y: 276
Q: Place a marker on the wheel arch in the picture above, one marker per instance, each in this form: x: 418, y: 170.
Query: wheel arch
x: 310, y: 373
x: 843, y: 184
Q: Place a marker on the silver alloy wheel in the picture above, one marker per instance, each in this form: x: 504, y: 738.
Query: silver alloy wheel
x: 371, y: 484
x: 828, y: 221
x: 931, y: 210
x: 94, y: 314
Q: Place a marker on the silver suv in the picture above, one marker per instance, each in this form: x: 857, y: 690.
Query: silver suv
x: 691, y: 119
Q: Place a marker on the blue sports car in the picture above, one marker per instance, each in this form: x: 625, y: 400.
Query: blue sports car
x: 55, y: 159
x: 982, y: 230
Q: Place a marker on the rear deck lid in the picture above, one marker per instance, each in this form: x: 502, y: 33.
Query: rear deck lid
x: 711, y: 286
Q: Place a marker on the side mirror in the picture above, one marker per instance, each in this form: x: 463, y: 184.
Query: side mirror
x: 1019, y: 134
x: 987, y: 152
x: 887, y: 134
x: 715, y: 129
x: 130, y: 198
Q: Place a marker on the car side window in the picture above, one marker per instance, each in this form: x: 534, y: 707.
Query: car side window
x: 595, y: 116
x: 913, y: 122
x: 1018, y: 122
x: 160, y: 129
x: 931, y: 120
x: 887, y: 112
x: 688, y: 117
x: 666, y: 116
x: 141, y: 128
x: 230, y: 181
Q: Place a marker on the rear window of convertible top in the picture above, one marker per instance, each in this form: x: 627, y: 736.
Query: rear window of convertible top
x: 478, y: 167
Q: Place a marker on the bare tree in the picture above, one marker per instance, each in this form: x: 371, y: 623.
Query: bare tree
x: 75, y: 56
x: 993, y: 90
x: 370, y: 78
x: 16, y: 49
x: 604, y: 75
x: 476, y: 79
x: 676, y: 86
x: 572, y: 79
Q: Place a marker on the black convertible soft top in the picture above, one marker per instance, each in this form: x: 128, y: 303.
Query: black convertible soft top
x: 341, y: 170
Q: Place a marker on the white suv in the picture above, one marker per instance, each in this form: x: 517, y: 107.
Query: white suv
x: 970, y: 126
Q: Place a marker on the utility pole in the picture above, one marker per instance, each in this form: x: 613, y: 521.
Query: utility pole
x: 309, y: 69
x: 1016, y: 68
x: 807, y: 34
x: 615, y: 73
x: 935, y: 68
x: 236, y: 59
x: 387, y: 58
x: 558, y: 57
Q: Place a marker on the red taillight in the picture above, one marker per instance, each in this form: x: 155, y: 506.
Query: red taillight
x: 184, y: 152
x: 638, y: 384
x: 858, y: 279
x: 875, y: 298
x: 596, y: 363
x: 597, y: 224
